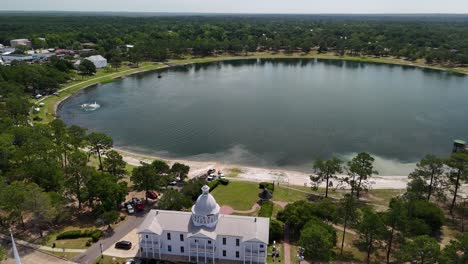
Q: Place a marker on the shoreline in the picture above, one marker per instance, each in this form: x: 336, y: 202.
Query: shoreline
x: 257, y: 174
x: 248, y: 173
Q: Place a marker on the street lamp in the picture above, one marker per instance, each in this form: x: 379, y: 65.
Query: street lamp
x: 102, y: 256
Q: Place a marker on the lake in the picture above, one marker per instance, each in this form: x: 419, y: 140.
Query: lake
x: 281, y: 113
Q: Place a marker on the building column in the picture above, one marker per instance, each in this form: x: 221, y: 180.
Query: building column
x: 205, y: 249
x: 243, y: 251
x: 152, y: 245
x: 251, y: 252
x: 189, y: 249
x: 196, y: 244
x: 213, y: 252
x: 159, y: 246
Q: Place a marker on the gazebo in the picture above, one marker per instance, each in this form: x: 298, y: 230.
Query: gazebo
x: 265, y: 195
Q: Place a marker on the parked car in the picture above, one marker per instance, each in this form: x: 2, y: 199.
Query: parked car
x: 173, y: 183
x: 130, y: 209
x: 123, y: 245
x: 133, y: 261
x: 140, y: 207
x: 152, y: 195
x: 135, y: 201
x: 220, y: 175
x: 210, y: 178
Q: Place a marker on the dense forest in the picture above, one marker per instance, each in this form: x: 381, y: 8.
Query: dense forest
x: 442, y: 39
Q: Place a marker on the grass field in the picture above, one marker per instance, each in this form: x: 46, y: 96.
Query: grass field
x: 237, y: 194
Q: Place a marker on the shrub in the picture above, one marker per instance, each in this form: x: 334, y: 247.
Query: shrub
x: 276, y: 230
x: 270, y: 186
x: 224, y: 181
x: 266, y: 210
x: 213, y: 185
x: 95, y: 234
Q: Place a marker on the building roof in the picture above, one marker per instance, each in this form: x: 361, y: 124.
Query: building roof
x: 96, y: 58
x: 249, y: 228
x: 265, y: 195
x: 206, y: 204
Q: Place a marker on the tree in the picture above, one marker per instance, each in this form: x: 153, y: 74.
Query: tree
x: 116, y: 61
x: 39, y: 204
x: 3, y: 253
x: 99, y: 143
x: 396, y: 218
x: 77, y: 136
x: 430, y: 168
x: 361, y: 167
x: 60, y: 135
x: 457, y: 251
x: 326, y: 170
x: 87, y: 67
x: 458, y: 174
x: 276, y: 230
x: 114, y: 164
x: 77, y: 176
x: 180, y: 170
x: 421, y: 250
x: 425, y: 218
x: 174, y: 200
x: 318, y: 240
x: 347, y: 214
x: 371, y: 228
x: 146, y: 178
x: 110, y: 217
x: 106, y: 191
x: 160, y: 166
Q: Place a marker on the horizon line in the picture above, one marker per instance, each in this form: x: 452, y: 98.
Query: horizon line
x: 227, y: 13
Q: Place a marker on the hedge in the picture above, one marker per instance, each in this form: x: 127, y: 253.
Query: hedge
x: 270, y: 186
x: 72, y: 234
x: 266, y: 210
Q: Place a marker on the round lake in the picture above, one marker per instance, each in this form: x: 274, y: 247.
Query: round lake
x: 280, y: 113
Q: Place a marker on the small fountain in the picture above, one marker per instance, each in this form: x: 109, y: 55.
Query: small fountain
x: 90, y: 107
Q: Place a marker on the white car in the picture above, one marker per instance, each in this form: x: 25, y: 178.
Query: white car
x: 133, y: 261
x: 221, y: 176
x: 130, y: 209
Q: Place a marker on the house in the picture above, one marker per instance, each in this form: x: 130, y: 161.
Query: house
x: 98, y: 61
x: 20, y: 42
x: 203, y: 235
x: 9, y: 58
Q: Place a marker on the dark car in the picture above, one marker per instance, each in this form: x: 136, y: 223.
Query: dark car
x: 152, y: 195
x: 123, y: 245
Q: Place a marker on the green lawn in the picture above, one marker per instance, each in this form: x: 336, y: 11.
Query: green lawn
x: 109, y: 260
x: 237, y: 194
x: 76, y: 243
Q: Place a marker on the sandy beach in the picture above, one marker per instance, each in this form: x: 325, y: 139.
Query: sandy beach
x: 249, y: 173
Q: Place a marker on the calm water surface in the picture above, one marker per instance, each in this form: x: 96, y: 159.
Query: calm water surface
x: 281, y: 112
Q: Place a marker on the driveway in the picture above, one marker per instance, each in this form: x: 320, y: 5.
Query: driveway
x: 32, y: 256
x: 132, y: 222
x: 120, y: 253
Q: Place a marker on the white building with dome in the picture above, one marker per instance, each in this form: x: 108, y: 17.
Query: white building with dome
x: 203, y: 235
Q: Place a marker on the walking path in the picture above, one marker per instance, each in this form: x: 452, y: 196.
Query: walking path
x: 43, y: 248
x: 286, y: 246
x: 227, y: 210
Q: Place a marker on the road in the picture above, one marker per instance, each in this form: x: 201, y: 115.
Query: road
x: 132, y: 222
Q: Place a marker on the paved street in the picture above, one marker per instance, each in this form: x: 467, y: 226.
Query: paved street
x: 132, y: 222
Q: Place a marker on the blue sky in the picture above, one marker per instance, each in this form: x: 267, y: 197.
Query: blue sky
x: 244, y: 6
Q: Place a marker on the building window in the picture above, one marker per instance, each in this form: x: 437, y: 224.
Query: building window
x: 224, y: 241
x: 168, y: 236
x: 196, y: 241
x: 169, y: 248
x: 237, y: 254
x: 224, y: 253
x: 181, y: 237
x: 261, y: 246
x: 209, y: 242
x: 182, y: 250
x: 237, y: 242
x: 146, y: 236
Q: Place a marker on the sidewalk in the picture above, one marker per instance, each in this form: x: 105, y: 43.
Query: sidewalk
x: 43, y: 248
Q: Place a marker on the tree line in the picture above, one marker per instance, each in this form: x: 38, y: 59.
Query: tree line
x: 443, y: 40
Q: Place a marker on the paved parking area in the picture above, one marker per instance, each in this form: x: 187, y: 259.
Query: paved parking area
x: 121, y: 253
